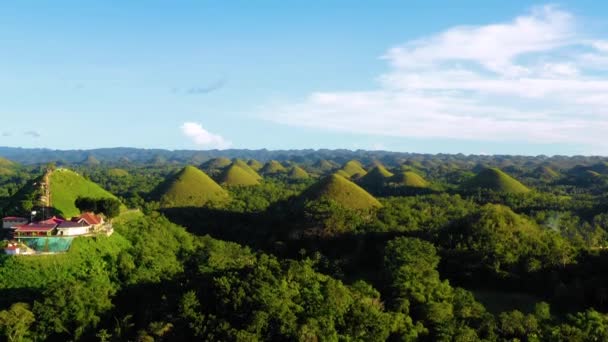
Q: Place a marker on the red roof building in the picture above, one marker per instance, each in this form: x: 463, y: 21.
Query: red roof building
x: 35, y: 229
x: 89, y: 218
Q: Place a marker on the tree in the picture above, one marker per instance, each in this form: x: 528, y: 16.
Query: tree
x: 15, y: 322
x: 85, y: 204
x: 110, y: 207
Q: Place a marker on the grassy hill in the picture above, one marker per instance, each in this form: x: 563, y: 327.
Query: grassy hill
x: 190, y: 187
x: 545, y: 173
x: 246, y: 167
x: 272, y: 168
x: 341, y: 190
x: 66, y: 186
x: 409, y: 179
x: 324, y: 165
x: 7, y: 167
x: 254, y: 164
x: 376, y: 176
x: 118, y: 172
x: 297, y: 173
x: 216, y: 163
x: 354, y: 169
x: 496, y: 180
x: 7, y: 163
x: 236, y: 175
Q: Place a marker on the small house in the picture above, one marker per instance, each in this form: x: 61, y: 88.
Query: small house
x: 71, y: 228
x: 10, y: 222
x: 95, y: 221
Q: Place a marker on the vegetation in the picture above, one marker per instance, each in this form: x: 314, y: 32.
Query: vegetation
x: 319, y: 258
x: 109, y: 207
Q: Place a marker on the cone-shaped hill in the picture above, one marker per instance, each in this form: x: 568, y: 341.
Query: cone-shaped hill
x: 495, y: 180
x: 7, y: 167
x: 190, y: 187
x: 325, y: 165
x: 545, y: 173
x: 6, y: 163
x: 272, y: 168
x: 66, y: 186
x: 409, y: 179
x: 117, y: 172
x: 341, y: 191
x: 236, y: 175
x: 216, y: 163
x: 353, y: 168
x: 297, y: 173
x: 254, y: 164
x: 376, y: 177
x: 244, y: 166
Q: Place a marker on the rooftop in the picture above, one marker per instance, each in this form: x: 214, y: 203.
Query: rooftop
x: 36, y: 227
x: 72, y: 224
x: 13, y: 218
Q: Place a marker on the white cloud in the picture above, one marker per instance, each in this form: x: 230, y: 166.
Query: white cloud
x: 530, y: 79
x: 204, y: 138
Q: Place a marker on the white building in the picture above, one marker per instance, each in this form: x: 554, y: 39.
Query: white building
x: 12, y: 248
x: 70, y: 228
x: 13, y: 221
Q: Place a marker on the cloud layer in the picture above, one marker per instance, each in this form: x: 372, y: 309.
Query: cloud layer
x: 537, y: 78
x: 202, y: 137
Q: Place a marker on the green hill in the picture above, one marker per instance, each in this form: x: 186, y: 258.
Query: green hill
x: 5, y: 163
x: 254, y: 164
x: 7, y: 167
x: 297, y: 173
x: 495, y: 180
x: 66, y: 186
x: 409, y: 179
x: 91, y: 161
x: 216, y: 163
x: 236, y: 175
x: 545, y: 173
x: 376, y: 177
x: 342, y: 191
x: 342, y: 173
x: 272, y: 168
x: 354, y: 169
x: 325, y: 165
x: 118, y: 172
x: 5, y: 171
x: 190, y: 187
x: 246, y: 167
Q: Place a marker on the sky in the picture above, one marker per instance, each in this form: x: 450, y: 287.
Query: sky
x: 473, y: 77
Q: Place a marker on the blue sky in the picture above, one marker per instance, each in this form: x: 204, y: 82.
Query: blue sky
x: 470, y: 76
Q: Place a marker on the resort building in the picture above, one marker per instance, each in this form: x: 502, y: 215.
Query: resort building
x: 71, y: 228
x: 35, y: 229
x: 94, y: 221
x: 10, y: 222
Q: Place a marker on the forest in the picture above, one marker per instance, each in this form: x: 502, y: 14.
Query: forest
x: 314, y: 246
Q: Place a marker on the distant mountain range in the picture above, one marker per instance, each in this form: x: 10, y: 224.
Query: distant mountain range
x: 124, y: 155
